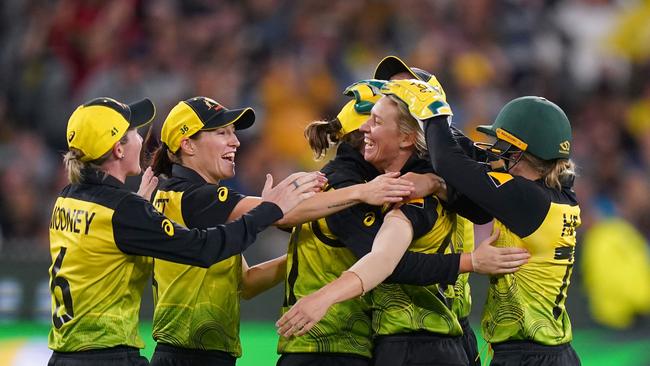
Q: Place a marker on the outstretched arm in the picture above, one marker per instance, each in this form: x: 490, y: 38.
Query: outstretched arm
x: 369, y: 271
x: 386, y: 188
x: 391, y: 242
x: 262, y: 277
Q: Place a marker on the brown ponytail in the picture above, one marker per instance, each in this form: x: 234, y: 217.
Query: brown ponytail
x: 162, y: 163
x: 322, y: 135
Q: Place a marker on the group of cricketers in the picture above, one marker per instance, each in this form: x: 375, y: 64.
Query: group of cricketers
x: 382, y: 237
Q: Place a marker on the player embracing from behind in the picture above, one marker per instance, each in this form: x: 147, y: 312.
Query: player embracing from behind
x: 534, y: 207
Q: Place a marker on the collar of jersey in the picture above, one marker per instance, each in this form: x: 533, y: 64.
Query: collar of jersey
x: 94, y: 176
x: 183, y: 172
x: 417, y: 164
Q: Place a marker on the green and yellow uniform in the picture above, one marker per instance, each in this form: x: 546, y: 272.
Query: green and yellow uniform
x: 528, y: 305
x: 321, y: 250
x: 317, y: 257
x: 101, y: 236
x: 401, y: 308
x: 197, y: 308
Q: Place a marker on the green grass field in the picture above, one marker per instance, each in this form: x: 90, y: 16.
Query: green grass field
x: 595, y: 347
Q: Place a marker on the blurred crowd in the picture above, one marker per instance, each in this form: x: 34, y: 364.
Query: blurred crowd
x: 290, y: 60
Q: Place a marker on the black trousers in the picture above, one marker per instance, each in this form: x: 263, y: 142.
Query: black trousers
x: 421, y: 349
x: 469, y: 343
x: 322, y: 359
x: 525, y: 353
x: 167, y: 355
x: 114, y: 356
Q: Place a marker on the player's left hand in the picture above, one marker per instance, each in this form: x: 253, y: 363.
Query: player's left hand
x: 426, y: 185
x: 423, y: 100
x: 302, y: 316
x: 148, y: 184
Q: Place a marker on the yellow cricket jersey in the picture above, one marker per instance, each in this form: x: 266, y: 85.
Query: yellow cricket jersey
x: 402, y: 308
x: 101, y: 236
x: 321, y: 250
x: 196, y: 307
x: 529, y: 304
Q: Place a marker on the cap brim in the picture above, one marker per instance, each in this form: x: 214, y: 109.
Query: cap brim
x: 142, y: 113
x: 391, y: 66
x: 241, y: 118
x: 486, y: 129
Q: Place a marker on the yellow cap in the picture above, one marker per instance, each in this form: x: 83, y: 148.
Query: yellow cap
x: 199, y: 114
x: 93, y: 128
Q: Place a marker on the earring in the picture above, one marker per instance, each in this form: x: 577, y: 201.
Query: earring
x: 122, y: 156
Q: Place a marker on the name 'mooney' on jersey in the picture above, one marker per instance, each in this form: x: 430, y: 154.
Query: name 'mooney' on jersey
x: 88, y: 272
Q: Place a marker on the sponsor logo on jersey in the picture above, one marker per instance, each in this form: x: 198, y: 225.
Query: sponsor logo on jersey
x: 369, y: 219
x: 168, y: 227
x: 222, y: 194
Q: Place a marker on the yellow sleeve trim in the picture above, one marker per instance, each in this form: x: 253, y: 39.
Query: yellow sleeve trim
x: 500, y: 179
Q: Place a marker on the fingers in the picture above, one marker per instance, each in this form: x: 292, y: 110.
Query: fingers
x: 505, y: 270
x: 311, y: 177
x: 512, y: 250
x: 391, y: 174
x: 148, y: 184
x: 292, y: 326
x: 148, y: 173
x: 492, y: 238
x: 305, y: 328
x: 268, y: 184
x: 297, y: 326
x: 286, y: 317
x: 316, y: 180
x: 514, y: 264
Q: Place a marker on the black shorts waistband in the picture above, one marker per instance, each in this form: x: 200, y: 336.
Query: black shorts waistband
x: 419, y: 335
x: 529, y: 346
x: 168, y: 348
x: 111, y: 351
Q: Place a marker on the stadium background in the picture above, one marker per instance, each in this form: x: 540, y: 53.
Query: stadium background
x: 290, y: 60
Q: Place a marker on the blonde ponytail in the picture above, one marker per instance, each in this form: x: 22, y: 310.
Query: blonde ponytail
x: 553, y: 172
x: 563, y: 170
x: 74, y: 165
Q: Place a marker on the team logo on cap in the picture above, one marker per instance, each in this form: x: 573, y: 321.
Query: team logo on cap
x: 71, y: 136
x: 212, y: 104
x: 565, y: 147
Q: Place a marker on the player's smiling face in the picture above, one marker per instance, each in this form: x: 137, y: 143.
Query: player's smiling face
x: 215, y: 153
x: 382, y: 135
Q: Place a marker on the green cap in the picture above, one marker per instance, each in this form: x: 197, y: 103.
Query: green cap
x: 535, y: 125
